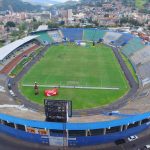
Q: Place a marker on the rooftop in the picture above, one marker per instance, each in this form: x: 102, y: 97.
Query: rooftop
x: 4, y: 51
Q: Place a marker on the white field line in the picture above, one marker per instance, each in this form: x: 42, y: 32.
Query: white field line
x: 74, y: 87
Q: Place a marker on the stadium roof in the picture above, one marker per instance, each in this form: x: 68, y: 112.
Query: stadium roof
x: 42, y: 28
x: 4, y: 51
x: 75, y: 126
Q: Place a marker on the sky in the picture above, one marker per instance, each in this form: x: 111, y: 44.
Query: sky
x: 63, y: 0
x: 52, y: 0
x: 39, y: 1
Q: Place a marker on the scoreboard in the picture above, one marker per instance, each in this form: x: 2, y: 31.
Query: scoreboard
x: 57, y: 110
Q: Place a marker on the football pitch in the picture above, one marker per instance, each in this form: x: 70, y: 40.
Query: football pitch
x: 70, y: 65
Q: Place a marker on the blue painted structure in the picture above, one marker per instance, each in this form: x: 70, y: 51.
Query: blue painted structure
x: 75, y: 126
x: 75, y: 140
x: 123, y: 40
x: 95, y: 140
x: 72, y: 33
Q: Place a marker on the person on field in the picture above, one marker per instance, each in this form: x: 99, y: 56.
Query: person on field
x: 36, y: 89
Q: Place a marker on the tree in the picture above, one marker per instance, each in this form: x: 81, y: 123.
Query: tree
x: 1, y: 44
x: 34, y: 20
x: 123, y: 20
x: 131, y: 21
x: 62, y: 23
x: 36, y: 24
x: 22, y: 27
x: 52, y: 25
x: 96, y: 23
x: 106, y: 15
x: 15, y: 34
x: 10, y: 24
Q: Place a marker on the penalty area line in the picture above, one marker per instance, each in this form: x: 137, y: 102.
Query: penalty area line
x: 73, y: 87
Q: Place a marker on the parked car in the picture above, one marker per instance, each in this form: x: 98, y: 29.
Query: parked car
x: 147, y: 146
x: 132, y: 138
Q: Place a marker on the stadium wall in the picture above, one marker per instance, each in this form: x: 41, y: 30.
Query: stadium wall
x: 73, y: 134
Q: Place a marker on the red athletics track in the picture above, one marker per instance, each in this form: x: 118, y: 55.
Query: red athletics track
x: 16, y: 60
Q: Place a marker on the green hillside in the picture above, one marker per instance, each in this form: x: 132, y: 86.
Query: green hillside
x: 140, y: 3
x: 17, y: 6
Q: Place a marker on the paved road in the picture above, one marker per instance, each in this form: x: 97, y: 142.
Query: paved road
x: 14, y: 81
x: 116, y: 105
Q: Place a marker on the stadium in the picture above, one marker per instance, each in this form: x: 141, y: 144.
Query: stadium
x: 104, y: 73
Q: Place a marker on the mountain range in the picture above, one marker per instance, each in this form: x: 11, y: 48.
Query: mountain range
x: 43, y: 2
x: 18, y: 6
x: 37, y: 5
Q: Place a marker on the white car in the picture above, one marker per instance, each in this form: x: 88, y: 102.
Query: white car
x: 147, y: 146
x: 132, y: 138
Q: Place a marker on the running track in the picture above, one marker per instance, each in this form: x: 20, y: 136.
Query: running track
x: 16, y: 60
x: 116, y: 105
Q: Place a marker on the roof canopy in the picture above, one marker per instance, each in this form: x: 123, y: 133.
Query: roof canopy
x: 42, y: 28
x: 4, y: 51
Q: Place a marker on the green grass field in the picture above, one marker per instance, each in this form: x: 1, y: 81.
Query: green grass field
x: 20, y: 65
x: 78, y: 66
x: 140, y: 3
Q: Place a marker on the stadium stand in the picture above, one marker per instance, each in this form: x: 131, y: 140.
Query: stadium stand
x: 93, y: 34
x: 141, y: 56
x: 72, y: 33
x: 60, y: 33
x: 55, y: 35
x: 18, y: 51
x: 133, y: 45
x: 44, y: 37
x: 111, y: 37
x: 144, y: 72
x: 7, y: 68
x: 10, y: 49
x: 123, y: 39
x: 89, y: 34
x: 99, y: 34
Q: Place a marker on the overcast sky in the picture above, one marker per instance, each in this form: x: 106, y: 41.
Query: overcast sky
x: 63, y: 0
